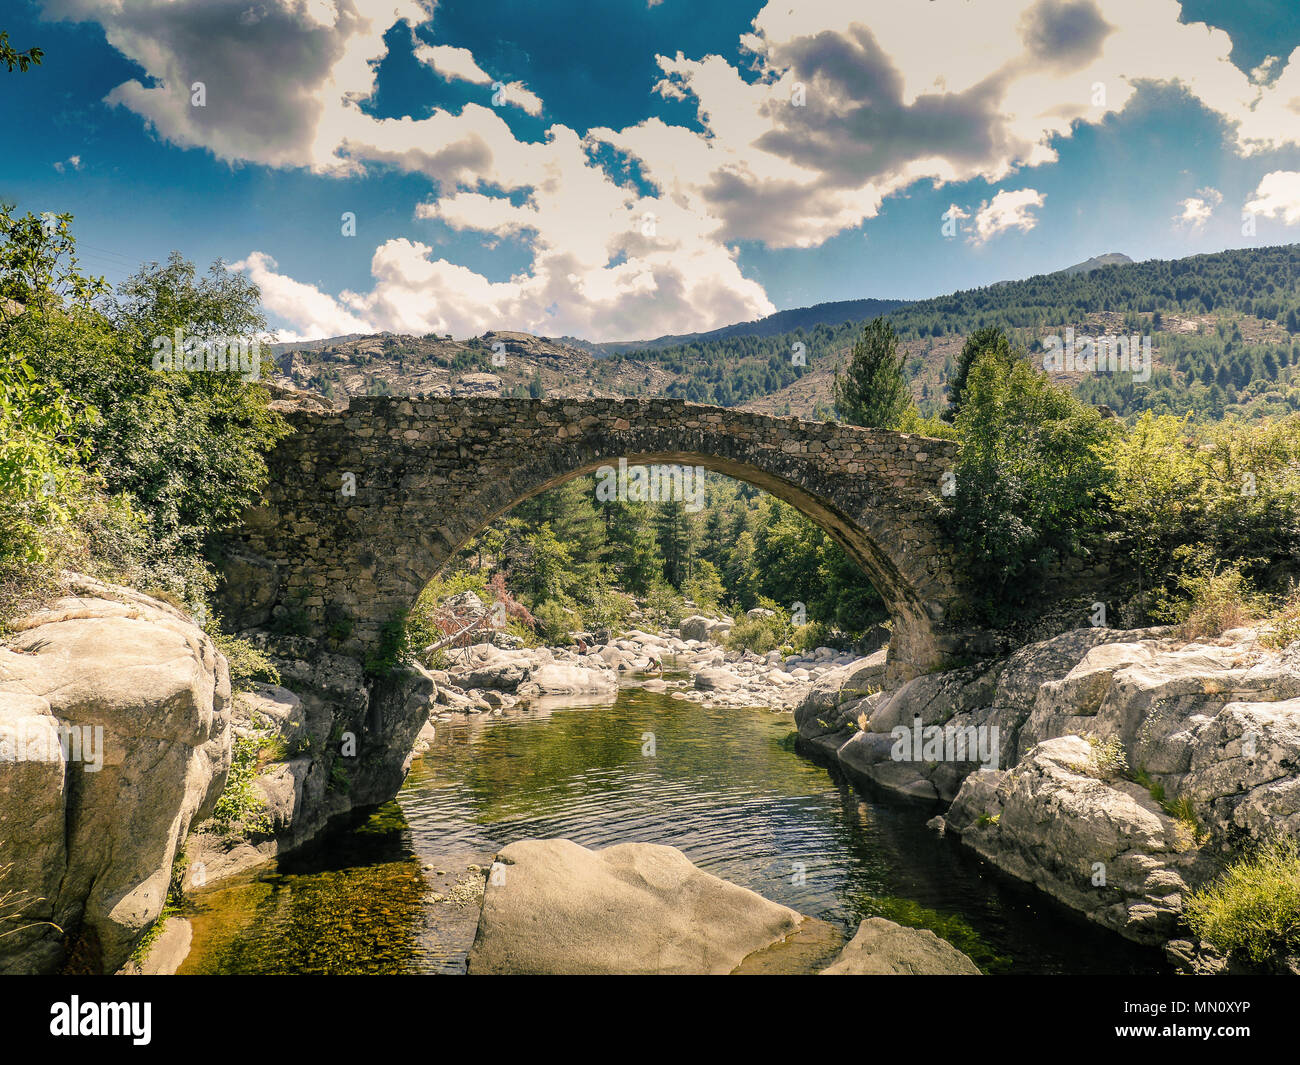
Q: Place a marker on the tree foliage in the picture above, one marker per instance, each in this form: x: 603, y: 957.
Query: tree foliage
x: 872, y: 390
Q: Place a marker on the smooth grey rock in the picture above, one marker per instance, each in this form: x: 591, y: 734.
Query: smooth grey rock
x: 551, y: 906
x: 883, y: 948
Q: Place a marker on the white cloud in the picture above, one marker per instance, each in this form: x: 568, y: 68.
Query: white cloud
x: 313, y: 312
x: 1007, y: 210
x: 1278, y: 196
x: 73, y: 162
x: 845, y: 105
x: 459, y: 64
x: 453, y: 63
x: 1196, y: 210
x: 517, y: 93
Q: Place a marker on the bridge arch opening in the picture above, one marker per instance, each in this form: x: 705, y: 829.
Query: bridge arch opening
x: 688, y: 524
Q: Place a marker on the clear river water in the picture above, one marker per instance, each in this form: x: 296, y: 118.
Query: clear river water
x: 398, y: 891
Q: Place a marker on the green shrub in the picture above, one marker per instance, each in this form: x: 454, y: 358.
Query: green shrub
x: 1285, y: 622
x: 396, y: 647
x: 1253, y: 909
x: 818, y: 634
x: 1110, y: 760
x: 554, y: 621
x: 607, y: 609
x: 248, y: 663
x: 663, y: 606
x: 240, y: 807
x: 760, y: 634
x: 1215, y: 597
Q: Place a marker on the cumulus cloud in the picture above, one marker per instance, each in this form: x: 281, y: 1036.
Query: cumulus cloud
x: 833, y: 108
x: 1196, y: 210
x: 314, y: 313
x: 1278, y: 196
x: 1006, y: 211
x: 73, y: 162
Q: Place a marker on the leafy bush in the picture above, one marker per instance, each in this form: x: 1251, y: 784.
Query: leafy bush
x: 1184, y: 495
x: 607, y: 609
x: 760, y: 634
x: 1253, y: 909
x: 1109, y: 758
x: 554, y: 622
x: 663, y: 606
x: 1285, y: 622
x: 248, y: 664
x: 240, y: 808
x: 1216, y: 597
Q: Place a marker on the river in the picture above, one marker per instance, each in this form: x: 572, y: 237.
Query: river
x: 398, y: 891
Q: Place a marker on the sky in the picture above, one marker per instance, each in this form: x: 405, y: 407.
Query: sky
x: 624, y: 169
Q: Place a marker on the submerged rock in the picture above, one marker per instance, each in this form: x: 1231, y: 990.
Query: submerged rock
x: 883, y: 948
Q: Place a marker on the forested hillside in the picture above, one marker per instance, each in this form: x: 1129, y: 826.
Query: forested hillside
x: 1225, y: 329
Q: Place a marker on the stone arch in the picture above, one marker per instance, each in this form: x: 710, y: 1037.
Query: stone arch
x: 431, y: 473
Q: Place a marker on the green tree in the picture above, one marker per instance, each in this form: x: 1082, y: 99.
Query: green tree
x: 39, y: 474
x: 1031, y: 481
x: 987, y: 340
x: 872, y: 391
x: 550, y: 560
x: 675, y: 531
x: 181, y: 452
x: 705, y: 588
x: 634, y: 547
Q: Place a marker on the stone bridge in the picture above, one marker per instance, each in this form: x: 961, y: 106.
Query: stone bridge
x: 366, y: 504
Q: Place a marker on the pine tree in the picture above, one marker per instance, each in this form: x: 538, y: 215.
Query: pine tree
x: 872, y: 391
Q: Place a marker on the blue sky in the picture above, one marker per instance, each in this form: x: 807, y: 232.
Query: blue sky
x: 625, y: 169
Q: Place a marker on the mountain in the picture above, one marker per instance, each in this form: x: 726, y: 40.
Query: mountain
x: 497, y: 363
x: 1111, y: 258
x: 781, y: 322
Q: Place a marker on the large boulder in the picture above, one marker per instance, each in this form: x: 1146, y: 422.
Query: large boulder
x: 551, y: 906
x: 843, y: 684
x: 121, y: 707
x: 716, y: 678
x: 491, y: 667
x: 883, y: 948
x: 1063, y: 821
x: 557, y: 679
x: 695, y: 627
